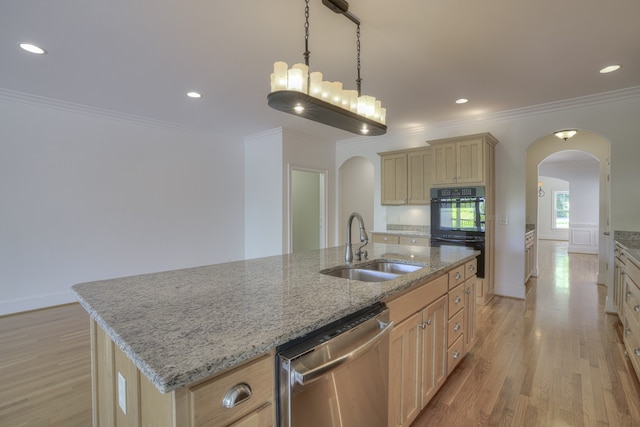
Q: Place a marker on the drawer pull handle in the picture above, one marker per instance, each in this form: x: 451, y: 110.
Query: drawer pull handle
x: 457, y: 300
x: 458, y: 275
x: 413, y: 240
x: 456, y: 327
x: 637, y: 352
x: 627, y: 331
x: 456, y: 354
x: 636, y: 308
x: 236, y: 395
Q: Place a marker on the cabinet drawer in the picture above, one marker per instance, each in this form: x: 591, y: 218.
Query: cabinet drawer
x: 631, y: 337
x: 631, y: 299
x: 207, y: 398
x: 385, y: 238
x: 416, y: 299
x: 456, y: 276
x: 455, y: 328
x: 415, y: 241
x: 470, y: 268
x: 456, y: 300
x: 454, y: 354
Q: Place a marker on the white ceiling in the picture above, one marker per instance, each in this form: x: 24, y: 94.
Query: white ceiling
x: 418, y: 56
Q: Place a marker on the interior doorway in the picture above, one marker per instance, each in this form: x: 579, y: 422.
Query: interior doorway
x: 308, y: 229
x: 586, y: 144
x: 356, y: 189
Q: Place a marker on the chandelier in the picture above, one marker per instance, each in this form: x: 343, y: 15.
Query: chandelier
x: 565, y: 134
x: 297, y: 91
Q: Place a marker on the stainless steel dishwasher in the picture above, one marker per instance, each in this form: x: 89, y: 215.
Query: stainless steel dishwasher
x: 337, y: 376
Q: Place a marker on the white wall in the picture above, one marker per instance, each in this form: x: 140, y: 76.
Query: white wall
x: 269, y: 158
x: 88, y: 196
x: 544, y: 226
x: 263, y: 194
x: 612, y: 115
x: 356, y: 188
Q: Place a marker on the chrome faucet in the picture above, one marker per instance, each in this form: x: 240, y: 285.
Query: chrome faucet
x: 360, y: 254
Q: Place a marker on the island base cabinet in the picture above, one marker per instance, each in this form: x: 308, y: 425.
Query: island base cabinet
x: 122, y: 396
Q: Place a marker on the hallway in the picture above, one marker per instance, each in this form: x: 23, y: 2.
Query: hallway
x: 555, y: 359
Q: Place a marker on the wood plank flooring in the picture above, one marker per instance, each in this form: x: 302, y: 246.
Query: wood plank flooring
x: 45, y: 368
x: 554, y: 359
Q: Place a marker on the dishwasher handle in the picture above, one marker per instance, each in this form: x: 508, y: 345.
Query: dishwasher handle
x: 309, y: 375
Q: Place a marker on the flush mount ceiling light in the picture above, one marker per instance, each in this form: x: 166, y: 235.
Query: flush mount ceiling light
x: 296, y: 91
x: 462, y: 101
x: 194, y: 95
x: 565, y: 134
x: 610, y: 69
x: 32, y: 48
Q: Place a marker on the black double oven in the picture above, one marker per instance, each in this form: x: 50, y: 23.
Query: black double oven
x: 458, y: 218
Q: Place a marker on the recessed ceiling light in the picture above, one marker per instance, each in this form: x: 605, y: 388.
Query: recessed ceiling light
x: 462, y: 101
x: 33, y: 48
x: 610, y: 69
x: 194, y: 95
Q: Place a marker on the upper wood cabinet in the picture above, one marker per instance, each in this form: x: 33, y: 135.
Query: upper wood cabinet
x: 463, y: 160
x: 406, y: 177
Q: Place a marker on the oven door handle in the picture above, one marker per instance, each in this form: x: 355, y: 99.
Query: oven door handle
x: 442, y: 239
x: 306, y: 376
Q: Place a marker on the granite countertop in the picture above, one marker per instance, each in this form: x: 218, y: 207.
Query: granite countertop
x: 632, y: 247
x: 182, y: 326
x: 407, y: 233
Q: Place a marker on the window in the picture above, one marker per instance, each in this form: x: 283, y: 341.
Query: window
x: 560, y: 209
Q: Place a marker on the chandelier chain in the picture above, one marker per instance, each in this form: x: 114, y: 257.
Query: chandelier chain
x: 358, y: 80
x: 306, y: 34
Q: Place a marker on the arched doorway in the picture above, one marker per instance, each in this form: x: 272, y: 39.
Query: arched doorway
x: 591, y: 145
x: 356, y: 188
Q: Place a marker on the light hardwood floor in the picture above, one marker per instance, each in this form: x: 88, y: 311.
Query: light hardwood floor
x: 555, y: 359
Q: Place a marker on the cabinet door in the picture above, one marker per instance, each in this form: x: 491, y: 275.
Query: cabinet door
x: 404, y: 371
x: 469, y: 313
x: 434, y: 348
x: 419, y: 177
x: 262, y: 417
x: 394, y: 179
x: 470, y: 162
x: 443, y: 161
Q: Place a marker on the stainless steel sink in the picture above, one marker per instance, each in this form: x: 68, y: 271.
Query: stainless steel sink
x: 373, y: 271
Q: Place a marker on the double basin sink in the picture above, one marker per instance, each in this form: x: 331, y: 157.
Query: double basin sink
x: 373, y: 271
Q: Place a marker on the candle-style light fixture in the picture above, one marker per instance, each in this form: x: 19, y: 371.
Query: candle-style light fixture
x: 297, y: 91
x: 540, y: 190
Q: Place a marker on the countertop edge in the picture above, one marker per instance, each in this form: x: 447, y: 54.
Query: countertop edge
x: 185, y: 379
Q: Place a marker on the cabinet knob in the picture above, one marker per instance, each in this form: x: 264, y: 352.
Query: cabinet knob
x: 456, y: 354
x: 468, y: 291
x: 472, y: 267
x: 627, y: 294
x: 457, y: 299
x: 385, y: 239
x: 236, y: 395
x: 456, y: 327
x: 458, y: 275
x: 413, y: 240
x: 636, y: 308
x: 637, y: 352
x: 627, y: 331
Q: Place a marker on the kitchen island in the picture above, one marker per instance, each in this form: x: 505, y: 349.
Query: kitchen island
x: 181, y: 327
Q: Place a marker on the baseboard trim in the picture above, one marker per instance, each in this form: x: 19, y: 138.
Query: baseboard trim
x: 19, y: 305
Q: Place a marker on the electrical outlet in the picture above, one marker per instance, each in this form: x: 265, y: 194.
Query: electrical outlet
x: 503, y: 220
x: 122, y: 393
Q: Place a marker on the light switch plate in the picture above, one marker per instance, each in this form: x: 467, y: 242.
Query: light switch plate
x: 122, y: 393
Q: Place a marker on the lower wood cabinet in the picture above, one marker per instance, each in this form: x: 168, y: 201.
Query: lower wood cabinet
x: 631, y: 312
x: 435, y: 326
x: 142, y: 404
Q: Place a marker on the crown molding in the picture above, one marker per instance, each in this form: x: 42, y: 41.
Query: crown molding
x: 56, y: 104
x: 550, y: 107
x: 518, y: 113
